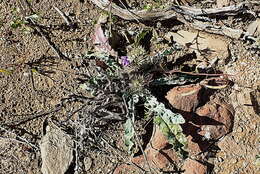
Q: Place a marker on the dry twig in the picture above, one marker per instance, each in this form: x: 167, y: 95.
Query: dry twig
x: 22, y: 140
x: 65, y: 18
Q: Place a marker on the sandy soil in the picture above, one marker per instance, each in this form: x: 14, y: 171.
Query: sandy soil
x: 38, y: 84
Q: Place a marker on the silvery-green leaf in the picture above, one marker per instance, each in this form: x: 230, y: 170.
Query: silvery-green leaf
x: 129, y: 134
x: 33, y: 17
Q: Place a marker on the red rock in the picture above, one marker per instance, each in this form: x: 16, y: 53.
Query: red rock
x: 196, y: 146
x: 171, y: 155
x: 185, y: 98
x: 158, y: 140
x: 154, y: 158
x: 196, y: 142
x: 126, y: 169
x: 194, y: 167
x: 157, y: 154
x: 216, y: 120
x: 163, y: 158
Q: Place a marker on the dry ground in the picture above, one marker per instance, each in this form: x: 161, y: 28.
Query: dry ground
x: 42, y: 82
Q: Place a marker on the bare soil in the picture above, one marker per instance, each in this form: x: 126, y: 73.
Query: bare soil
x: 37, y: 84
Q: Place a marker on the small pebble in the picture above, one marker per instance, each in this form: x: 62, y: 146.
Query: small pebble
x: 220, y: 159
x: 239, y: 129
x: 233, y: 161
x: 87, y: 163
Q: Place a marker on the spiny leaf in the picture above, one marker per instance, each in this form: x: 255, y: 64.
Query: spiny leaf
x: 163, y: 112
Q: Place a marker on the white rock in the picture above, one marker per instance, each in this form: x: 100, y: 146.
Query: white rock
x: 56, y: 151
x: 87, y: 163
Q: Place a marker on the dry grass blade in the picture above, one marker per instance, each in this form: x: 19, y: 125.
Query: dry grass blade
x: 19, y: 140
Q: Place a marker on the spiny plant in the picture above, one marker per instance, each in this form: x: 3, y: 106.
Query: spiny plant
x: 135, y: 88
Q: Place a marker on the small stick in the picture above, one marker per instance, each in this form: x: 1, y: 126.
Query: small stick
x: 24, y: 141
x: 29, y: 118
x: 47, y: 39
x: 66, y: 19
x: 197, y: 74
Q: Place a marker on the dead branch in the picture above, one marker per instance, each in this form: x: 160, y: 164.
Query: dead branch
x: 22, y: 140
x: 141, y: 15
x: 55, y: 49
x: 229, y: 10
x: 188, y: 15
x: 172, y: 12
x: 29, y: 118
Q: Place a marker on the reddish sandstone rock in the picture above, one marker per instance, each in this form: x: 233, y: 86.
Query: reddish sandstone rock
x: 194, y: 167
x: 126, y: 169
x: 196, y: 142
x: 155, y: 159
x: 158, y: 140
x: 216, y: 120
x: 196, y: 146
x: 157, y: 154
x: 185, y: 98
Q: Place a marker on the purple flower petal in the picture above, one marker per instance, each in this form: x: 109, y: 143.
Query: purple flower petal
x: 125, y: 61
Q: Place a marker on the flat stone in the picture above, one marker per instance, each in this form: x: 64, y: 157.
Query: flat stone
x: 87, y: 163
x: 194, y: 167
x: 56, y: 151
x: 158, y: 156
x: 216, y: 120
x: 202, y: 43
x: 158, y: 140
x: 184, y: 98
x: 126, y: 169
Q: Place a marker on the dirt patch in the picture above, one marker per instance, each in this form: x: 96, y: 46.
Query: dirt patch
x: 49, y: 70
